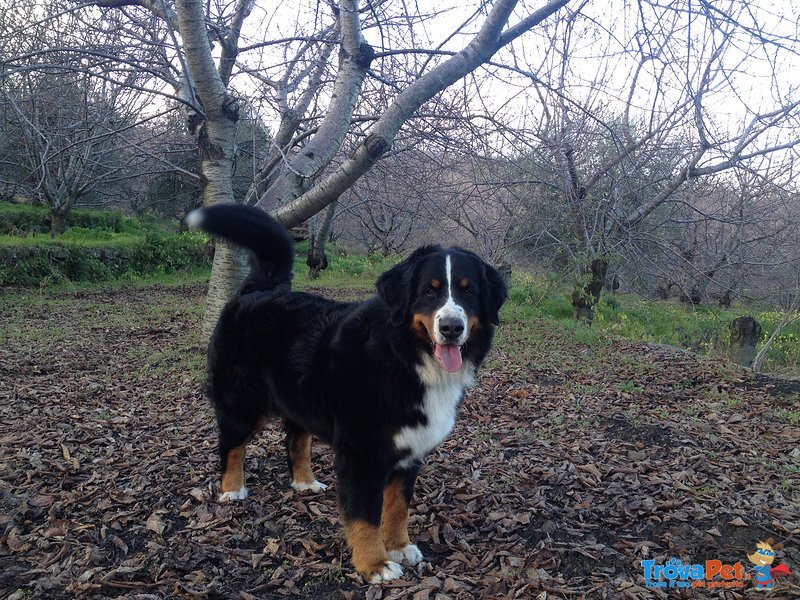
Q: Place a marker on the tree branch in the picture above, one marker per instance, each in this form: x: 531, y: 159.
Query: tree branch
x: 382, y: 134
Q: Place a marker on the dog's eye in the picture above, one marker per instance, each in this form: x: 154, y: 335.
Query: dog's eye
x: 430, y: 292
x: 467, y: 292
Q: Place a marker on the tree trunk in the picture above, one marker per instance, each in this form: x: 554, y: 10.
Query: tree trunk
x: 317, y: 259
x: 745, y: 334
x: 481, y: 48
x: 584, y: 300
x: 214, y: 129
x: 216, y: 146
x: 355, y: 57
x: 58, y: 222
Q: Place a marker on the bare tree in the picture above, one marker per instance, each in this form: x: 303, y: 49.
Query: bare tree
x: 617, y: 169
x: 73, y: 139
x: 615, y: 114
x: 298, y: 190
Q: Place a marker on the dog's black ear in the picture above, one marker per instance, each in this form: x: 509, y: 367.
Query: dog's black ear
x: 393, y: 290
x: 493, y: 293
x: 395, y: 285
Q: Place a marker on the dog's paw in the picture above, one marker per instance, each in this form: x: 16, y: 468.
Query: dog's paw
x: 388, y: 572
x: 314, y: 486
x: 410, y: 553
x: 239, y: 494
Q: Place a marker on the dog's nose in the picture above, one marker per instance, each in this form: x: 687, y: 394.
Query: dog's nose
x: 451, y: 328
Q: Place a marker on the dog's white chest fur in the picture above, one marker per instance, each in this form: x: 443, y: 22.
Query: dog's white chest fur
x: 443, y: 393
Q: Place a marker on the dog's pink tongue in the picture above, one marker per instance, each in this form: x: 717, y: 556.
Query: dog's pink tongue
x: 449, y: 355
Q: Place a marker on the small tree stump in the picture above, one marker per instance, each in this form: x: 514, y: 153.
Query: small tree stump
x: 582, y: 308
x: 745, y: 334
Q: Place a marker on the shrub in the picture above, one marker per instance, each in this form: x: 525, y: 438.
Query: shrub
x: 84, y: 234
x: 169, y: 253
x: 82, y: 265
x: 20, y: 219
x: 77, y: 260
x: 30, y: 271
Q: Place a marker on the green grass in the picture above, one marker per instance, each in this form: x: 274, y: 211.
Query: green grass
x: 345, y: 271
x: 106, y: 247
x: 700, y: 329
x: 77, y: 237
x: 537, y: 318
x: 22, y: 220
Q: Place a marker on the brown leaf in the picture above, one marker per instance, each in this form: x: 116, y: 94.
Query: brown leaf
x: 198, y: 494
x: 449, y: 533
x: 272, y: 546
x: 155, y: 523
x: 590, y: 468
x: 41, y: 500
x: 13, y: 540
x: 57, y: 528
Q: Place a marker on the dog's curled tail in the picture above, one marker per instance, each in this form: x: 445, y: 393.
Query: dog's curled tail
x: 254, y: 229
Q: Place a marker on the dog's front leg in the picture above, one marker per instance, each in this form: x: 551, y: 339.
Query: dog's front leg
x: 360, y: 500
x: 394, y: 524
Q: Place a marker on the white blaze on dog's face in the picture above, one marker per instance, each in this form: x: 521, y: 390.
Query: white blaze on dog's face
x: 446, y: 306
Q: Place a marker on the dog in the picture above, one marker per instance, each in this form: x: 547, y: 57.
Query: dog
x: 380, y: 381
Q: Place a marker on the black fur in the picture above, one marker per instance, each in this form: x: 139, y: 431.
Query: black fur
x: 345, y: 372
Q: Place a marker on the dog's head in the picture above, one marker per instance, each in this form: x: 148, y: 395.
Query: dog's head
x: 445, y: 297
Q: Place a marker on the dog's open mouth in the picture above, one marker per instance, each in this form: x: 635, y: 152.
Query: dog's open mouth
x: 449, y: 355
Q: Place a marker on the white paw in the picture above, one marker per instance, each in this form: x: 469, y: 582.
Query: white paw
x: 239, y: 494
x: 314, y: 486
x: 411, y: 554
x: 391, y: 570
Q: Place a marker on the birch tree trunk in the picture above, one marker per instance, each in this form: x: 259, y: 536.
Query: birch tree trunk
x: 214, y: 130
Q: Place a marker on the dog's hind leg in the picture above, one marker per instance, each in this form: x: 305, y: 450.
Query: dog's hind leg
x: 234, y: 433
x: 298, y: 453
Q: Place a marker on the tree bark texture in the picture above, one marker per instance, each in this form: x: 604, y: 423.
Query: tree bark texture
x: 355, y: 57
x: 58, y: 222
x: 745, y: 335
x: 317, y: 259
x: 585, y: 299
x: 213, y: 125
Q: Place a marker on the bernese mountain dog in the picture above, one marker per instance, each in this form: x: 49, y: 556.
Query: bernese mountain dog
x: 380, y: 381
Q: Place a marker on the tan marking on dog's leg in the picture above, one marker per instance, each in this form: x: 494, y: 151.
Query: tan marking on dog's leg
x: 394, y: 524
x: 300, y: 457
x: 233, y: 477
x: 369, y: 554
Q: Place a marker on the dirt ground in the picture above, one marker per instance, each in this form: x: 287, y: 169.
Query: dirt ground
x: 567, y: 468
